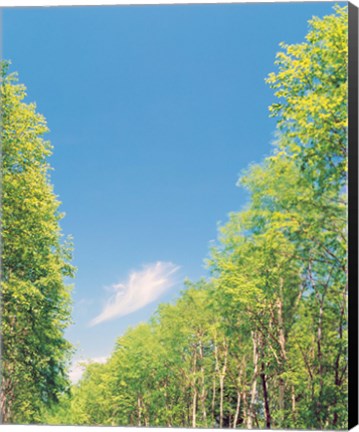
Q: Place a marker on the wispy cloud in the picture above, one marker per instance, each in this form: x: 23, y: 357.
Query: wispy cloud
x: 141, y: 288
x: 78, y: 368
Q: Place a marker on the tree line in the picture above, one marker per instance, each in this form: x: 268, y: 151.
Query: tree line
x: 261, y: 343
x: 35, y: 260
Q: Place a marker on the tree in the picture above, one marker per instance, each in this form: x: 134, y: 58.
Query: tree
x: 312, y: 116
x: 35, y: 299
x: 282, y: 263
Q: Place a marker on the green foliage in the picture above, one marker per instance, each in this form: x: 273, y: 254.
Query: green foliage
x: 311, y: 85
x: 35, y: 300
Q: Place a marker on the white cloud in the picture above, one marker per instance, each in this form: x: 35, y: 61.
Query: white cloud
x: 78, y: 367
x: 141, y: 288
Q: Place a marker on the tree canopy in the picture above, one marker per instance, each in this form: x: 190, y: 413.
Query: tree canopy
x: 35, y: 299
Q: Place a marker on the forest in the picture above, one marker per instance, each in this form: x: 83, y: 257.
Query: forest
x: 261, y: 343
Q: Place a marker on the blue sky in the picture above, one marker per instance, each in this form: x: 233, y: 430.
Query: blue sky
x: 153, y: 111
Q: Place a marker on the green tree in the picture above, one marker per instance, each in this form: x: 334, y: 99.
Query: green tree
x: 35, y: 299
x: 282, y: 263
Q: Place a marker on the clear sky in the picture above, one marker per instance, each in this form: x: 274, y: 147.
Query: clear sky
x: 153, y: 111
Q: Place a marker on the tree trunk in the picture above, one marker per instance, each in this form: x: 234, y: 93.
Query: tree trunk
x: 236, y: 416
x: 216, y: 371
x: 6, y: 397
x: 221, y: 384
x: 239, y: 396
x: 282, y: 343
x: 213, y: 400
x: 203, y: 394
x: 293, y: 405
x: 245, y: 408
x: 320, y: 363
x: 251, y: 415
x: 281, y: 322
x: 265, y: 397
x: 194, y: 389
x: 194, y: 407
